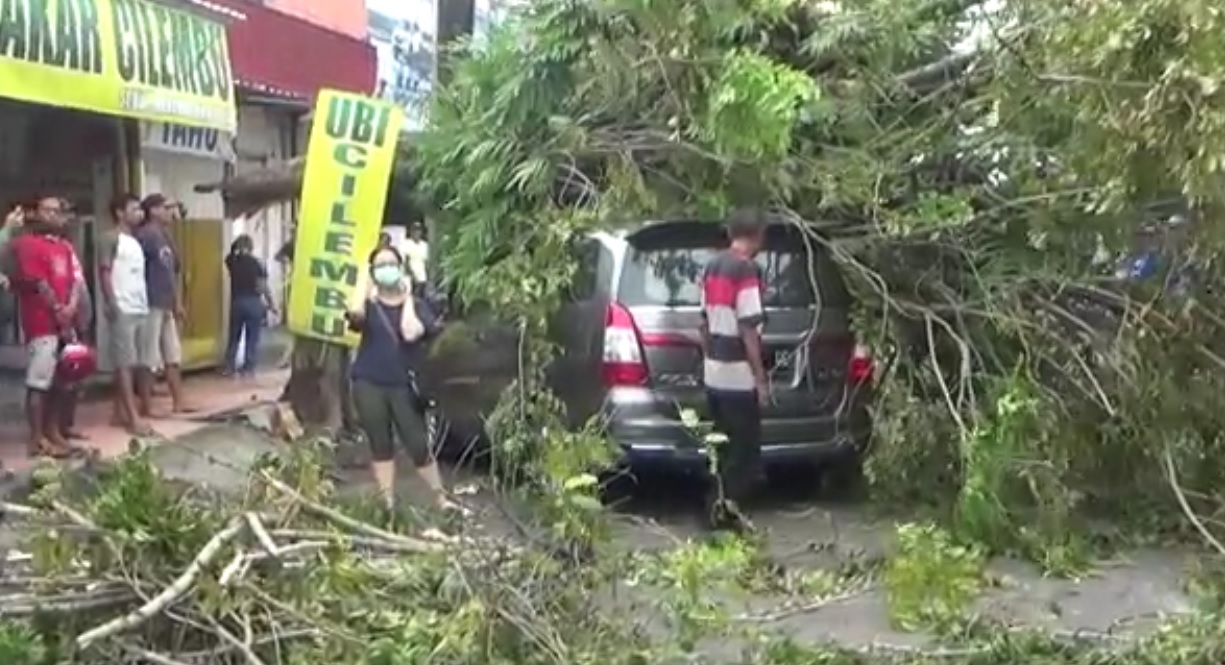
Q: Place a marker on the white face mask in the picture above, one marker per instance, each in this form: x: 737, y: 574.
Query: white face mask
x: 387, y: 275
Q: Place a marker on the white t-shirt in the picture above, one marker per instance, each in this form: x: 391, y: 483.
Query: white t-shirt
x: 128, y: 276
x: 416, y: 256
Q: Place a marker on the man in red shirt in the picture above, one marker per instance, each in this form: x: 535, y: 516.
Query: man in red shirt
x: 48, y: 301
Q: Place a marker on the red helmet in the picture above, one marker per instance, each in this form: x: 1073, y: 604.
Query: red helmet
x: 77, y: 362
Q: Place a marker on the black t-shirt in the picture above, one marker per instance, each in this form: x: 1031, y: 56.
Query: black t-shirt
x: 246, y: 273
x: 383, y: 357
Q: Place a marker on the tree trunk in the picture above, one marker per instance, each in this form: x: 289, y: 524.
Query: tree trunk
x: 317, y: 390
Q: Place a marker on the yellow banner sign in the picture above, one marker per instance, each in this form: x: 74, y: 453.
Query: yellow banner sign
x: 120, y: 57
x: 348, y: 168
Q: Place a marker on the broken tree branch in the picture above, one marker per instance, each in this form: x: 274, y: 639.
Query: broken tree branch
x: 176, y: 590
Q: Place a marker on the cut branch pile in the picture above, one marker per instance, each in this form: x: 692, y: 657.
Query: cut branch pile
x: 277, y: 574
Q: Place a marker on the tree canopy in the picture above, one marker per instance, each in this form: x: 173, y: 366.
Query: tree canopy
x: 978, y: 169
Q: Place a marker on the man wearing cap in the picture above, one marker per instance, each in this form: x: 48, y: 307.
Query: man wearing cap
x: 161, y: 333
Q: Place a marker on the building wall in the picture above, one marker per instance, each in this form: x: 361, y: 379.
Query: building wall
x: 344, y: 16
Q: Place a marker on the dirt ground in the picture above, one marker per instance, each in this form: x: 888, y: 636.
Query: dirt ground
x: 1122, y: 597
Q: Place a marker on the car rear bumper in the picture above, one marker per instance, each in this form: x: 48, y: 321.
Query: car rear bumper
x: 642, y: 453
x: 650, y: 437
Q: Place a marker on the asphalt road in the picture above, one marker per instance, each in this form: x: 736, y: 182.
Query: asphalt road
x: 802, y: 532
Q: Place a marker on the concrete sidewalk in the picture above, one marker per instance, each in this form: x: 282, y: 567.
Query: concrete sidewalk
x: 12, y: 383
x: 215, y: 396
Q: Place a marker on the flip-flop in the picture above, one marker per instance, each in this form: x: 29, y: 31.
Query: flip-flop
x: 50, y: 452
x: 74, y: 435
x: 144, y: 430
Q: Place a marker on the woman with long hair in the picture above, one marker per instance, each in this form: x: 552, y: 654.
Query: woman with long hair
x: 250, y: 303
x: 394, y: 325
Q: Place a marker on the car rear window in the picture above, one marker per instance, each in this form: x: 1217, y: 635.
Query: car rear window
x: 669, y: 276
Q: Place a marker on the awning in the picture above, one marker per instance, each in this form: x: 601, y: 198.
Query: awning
x: 283, y: 56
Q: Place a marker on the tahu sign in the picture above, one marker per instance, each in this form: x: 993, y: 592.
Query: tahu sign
x: 344, y: 189
x: 120, y: 57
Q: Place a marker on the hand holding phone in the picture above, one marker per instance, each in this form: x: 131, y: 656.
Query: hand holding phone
x: 15, y: 218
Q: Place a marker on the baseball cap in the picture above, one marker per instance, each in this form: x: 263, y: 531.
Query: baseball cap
x: 153, y: 201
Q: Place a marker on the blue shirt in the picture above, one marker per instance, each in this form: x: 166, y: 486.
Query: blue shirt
x: 161, y: 265
x: 383, y: 357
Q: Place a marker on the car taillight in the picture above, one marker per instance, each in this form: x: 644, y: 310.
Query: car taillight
x: 861, y: 367
x: 623, y: 362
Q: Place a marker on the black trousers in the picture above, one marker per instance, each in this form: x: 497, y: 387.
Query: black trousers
x: 736, y: 415
x: 388, y: 413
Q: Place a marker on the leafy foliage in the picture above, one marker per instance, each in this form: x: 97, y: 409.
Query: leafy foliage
x: 971, y: 166
x: 932, y: 579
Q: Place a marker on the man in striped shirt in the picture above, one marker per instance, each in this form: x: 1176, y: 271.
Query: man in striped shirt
x: 733, y: 371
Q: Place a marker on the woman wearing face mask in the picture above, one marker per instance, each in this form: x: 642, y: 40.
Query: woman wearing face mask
x: 394, y: 325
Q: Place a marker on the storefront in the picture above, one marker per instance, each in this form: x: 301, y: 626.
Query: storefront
x: 78, y: 78
x: 72, y: 154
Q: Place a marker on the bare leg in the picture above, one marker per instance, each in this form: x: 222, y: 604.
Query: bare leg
x: 433, y: 479
x: 36, y: 410
x: 69, y: 397
x: 126, y: 410
x: 44, y: 412
x: 144, y: 392
x: 385, y: 479
x: 174, y: 380
x: 119, y: 415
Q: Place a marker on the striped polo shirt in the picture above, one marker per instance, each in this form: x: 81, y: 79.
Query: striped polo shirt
x: 731, y: 300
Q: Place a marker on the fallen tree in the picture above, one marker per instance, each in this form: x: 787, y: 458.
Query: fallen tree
x: 1024, y: 386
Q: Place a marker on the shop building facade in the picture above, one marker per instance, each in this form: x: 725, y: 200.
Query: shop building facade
x: 127, y: 111
x: 71, y: 114
x: 348, y: 17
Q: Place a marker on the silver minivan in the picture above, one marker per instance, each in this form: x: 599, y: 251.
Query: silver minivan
x: 629, y: 352
x: 633, y: 322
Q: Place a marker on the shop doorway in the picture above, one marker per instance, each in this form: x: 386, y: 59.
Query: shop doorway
x: 49, y: 151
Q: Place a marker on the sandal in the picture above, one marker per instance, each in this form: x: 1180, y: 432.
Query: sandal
x: 141, y: 430
x: 452, y: 507
x: 53, y: 451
